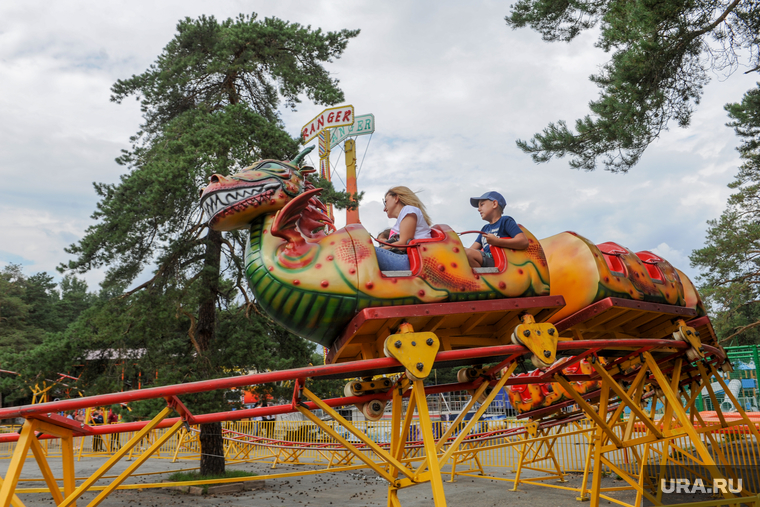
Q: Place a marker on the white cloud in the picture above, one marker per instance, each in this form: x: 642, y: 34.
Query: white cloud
x: 674, y: 256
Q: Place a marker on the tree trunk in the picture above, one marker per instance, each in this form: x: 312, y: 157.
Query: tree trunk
x: 212, y: 449
x: 212, y: 443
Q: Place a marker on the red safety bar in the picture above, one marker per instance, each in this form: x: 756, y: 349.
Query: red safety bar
x: 415, y: 260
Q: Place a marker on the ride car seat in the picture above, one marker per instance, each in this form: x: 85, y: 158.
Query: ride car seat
x: 415, y: 260
x: 611, y: 253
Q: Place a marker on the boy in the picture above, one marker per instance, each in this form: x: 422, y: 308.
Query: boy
x: 501, y: 231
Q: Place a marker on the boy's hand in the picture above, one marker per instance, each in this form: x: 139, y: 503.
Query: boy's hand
x: 488, y: 238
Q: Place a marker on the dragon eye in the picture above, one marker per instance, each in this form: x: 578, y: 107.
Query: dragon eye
x: 274, y: 168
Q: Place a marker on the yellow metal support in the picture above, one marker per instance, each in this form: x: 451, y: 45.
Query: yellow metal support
x: 428, y: 440
x: 690, y: 336
x: 15, y: 500
x: 399, y: 435
x: 17, y: 463
x: 136, y: 464
x: 182, y: 434
x: 464, y: 457
x: 716, y: 448
x: 88, y: 483
x: 620, y: 392
x: 379, y: 451
x: 415, y: 351
x: 590, y: 411
x: 605, y: 429
x: 539, y: 338
x: 642, y: 476
x: 47, y: 474
x: 478, y: 414
x: 601, y: 429
x: 69, y: 474
x: 674, y: 401
x: 538, y: 447
x: 348, y: 445
x: 583, y: 497
x: 399, y: 432
x: 471, y: 403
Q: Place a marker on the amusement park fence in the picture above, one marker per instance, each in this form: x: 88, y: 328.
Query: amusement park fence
x: 275, y: 441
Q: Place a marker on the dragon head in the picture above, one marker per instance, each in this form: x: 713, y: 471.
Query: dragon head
x: 265, y: 187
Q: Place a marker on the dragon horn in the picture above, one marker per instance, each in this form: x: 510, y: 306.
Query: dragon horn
x: 297, y: 161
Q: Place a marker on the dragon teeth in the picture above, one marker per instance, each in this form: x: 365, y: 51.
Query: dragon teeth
x: 220, y: 200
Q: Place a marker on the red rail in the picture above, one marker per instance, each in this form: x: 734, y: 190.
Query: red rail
x: 465, y: 356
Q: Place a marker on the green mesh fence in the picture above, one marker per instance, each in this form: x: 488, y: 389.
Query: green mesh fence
x: 743, y: 379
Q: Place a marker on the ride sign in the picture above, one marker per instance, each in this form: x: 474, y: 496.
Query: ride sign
x: 329, y: 118
x: 364, y: 124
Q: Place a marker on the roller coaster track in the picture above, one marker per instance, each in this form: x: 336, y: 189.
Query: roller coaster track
x: 634, y: 374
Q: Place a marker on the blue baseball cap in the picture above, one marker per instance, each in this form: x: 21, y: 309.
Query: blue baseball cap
x: 489, y: 196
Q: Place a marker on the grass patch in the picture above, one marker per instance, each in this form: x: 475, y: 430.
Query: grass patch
x: 196, y: 476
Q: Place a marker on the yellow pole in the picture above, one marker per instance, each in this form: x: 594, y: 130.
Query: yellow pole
x: 69, y: 475
x: 428, y: 441
x: 180, y: 440
x: 675, y: 402
x: 71, y: 498
x: 324, y: 161
x: 352, y: 215
x: 17, y: 463
x: 136, y: 464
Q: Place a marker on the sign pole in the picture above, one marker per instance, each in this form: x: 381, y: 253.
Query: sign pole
x: 324, y: 161
x: 324, y: 154
x: 352, y: 216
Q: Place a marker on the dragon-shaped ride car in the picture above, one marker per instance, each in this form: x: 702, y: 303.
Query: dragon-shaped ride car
x: 313, y: 279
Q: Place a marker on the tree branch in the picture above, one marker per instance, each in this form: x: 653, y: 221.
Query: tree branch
x: 740, y: 331
x: 715, y: 23
x: 191, y: 331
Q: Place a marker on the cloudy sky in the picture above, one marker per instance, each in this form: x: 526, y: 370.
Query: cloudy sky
x: 451, y: 88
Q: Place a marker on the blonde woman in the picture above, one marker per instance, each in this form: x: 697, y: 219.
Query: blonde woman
x: 412, y: 222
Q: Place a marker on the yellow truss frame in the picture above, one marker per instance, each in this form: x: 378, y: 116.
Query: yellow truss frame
x: 28, y: 440
x: 402, y: 466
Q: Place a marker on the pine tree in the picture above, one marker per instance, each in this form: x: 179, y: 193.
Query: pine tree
x: 209, y: 105
x: 34, y: 312
x: 42, y: 297
x: 662, y: 53
x: 17, y: 330
x: 730, y: 260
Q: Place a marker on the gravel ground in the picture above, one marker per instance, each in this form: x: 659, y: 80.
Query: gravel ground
x: 357, y: 488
